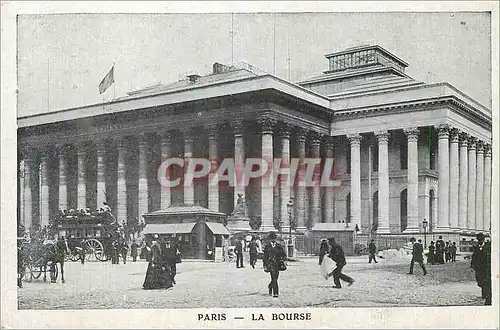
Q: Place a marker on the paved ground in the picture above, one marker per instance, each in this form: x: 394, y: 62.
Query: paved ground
x: 205, y: 285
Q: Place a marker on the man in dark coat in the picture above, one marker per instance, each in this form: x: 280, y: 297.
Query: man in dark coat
x: 418, y: 256
x: 168, y: 259
x: 481, y: 263
x: 440, y: 250
x: 453, y: 252
x: 133, y: 250
x: 337, y: 255
x: 254, y: 251
x: 239, y: 253
x: 124, y: 251
x: 372, y: 248
x: 323, y: 250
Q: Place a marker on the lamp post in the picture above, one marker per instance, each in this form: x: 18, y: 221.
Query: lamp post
x: 424, y: 225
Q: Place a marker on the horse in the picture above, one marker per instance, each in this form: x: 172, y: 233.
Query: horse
x: 53, y: 254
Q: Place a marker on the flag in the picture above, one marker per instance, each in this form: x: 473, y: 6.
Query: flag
x: 107, y: 81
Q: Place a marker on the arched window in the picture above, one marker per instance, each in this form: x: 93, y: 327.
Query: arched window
x: 347, y: 208
x: 375, y: 211
x: 403, y: 202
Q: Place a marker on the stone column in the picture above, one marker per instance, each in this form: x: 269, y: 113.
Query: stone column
x: 454, y: 179
x: 213, y: 182
x: 443, y: 221
x: 239, y: 160
x: 143, y: 178
x: 300, y: 200
x: 479, y: 185
x: 28, y: 196
x: 383, y: 182
x: 166, y: 153
x: 355, y: 141
x: 188, y: 154
x: 284, y: 183
x: 82, y: 185
x: 471, y: 191
x: 462, y: 189
x: 101, y: 173
x: 63, y: 183
x: 487, y: 188
x: 121, y: 183
x: 44, y: 193
x: 329, y: 206
x: 267, y: 124
x: 315, y: 204
x: 412, y: 185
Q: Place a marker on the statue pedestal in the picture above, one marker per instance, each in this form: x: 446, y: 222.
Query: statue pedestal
x: 237, y: 224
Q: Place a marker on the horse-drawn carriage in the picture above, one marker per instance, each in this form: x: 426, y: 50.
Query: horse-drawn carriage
x: 89, y: 236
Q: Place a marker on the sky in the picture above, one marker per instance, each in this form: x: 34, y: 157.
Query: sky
x: 62, y: 58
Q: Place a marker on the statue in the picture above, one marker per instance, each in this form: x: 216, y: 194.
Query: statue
x: 240, y: 209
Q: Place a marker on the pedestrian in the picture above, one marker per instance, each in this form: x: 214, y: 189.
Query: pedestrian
x: 372, y: 248
x: 239, y: 253
x: 168, y: 259
x: 481, y: 264
x: 337, y: 255
x: 254, y: 251
x: 133, y: 250
x: 124, y: 251
x: 440, y: 250
x: 274, y: 261
x: 155, y: 273
x: 453, y: 251
x: 430, y: 255
x: 323, y: 250
x: 417, y: 256
x: 114, y: 252
x: 447, y: 253
x: 178, y: 260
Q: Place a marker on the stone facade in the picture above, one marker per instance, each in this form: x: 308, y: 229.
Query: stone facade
x: 430, y: 150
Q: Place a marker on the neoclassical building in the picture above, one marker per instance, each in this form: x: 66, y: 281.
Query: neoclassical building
x: 404, y: 150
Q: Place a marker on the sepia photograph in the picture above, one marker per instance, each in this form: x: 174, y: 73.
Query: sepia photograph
x: 263, y: 167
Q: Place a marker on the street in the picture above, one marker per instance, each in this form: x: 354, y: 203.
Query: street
x: 101, y: 285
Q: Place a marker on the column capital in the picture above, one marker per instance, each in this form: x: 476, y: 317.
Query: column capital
x: 300, y: 135
x: 479, y: 147
x: 328, y: 142
x: 464, y: 139
x: 443, y: 131
x: 412, y: 133
x: 143, y: 139
x: 315, y: 138
x: 284, y: 130
x: 212, y: 130
x: 189, y: 134
x: 121, y: 144
x: 382, y: 136
x: 472, y: 143
x: 237, y: 125
x: 454, y: 135
x: 354, y: 139
x: 487, y: 150
x: 100, y: 145
x: 167, y: 136
x: 267, y: 123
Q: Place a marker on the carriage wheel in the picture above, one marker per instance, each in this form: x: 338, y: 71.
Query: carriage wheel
x: 94, y: 250
x: 54, y: 272
x: 74, y: 257
x: 101, y: 256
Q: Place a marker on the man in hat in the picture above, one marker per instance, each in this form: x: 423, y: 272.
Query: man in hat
x: 239, y: 253
x: 337, y: 255
x: 417, y: 256
x: 481, y: 263
x: 372, y: 248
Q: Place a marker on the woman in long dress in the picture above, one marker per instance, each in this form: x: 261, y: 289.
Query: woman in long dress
x: 155, y: 273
